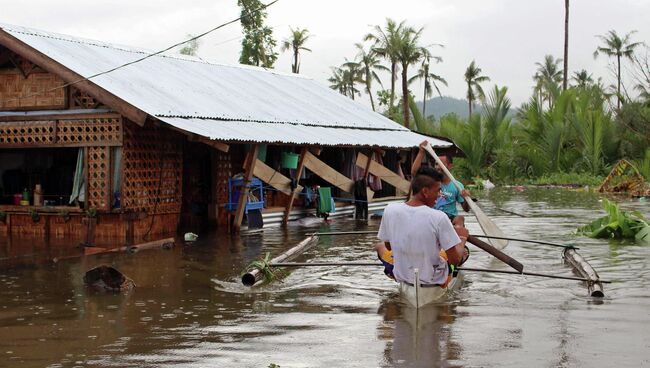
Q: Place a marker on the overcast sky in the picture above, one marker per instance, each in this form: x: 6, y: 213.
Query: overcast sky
x: 505, y: 37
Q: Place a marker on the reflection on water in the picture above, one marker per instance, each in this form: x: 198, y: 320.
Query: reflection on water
x: 418, y: 338
x: 190, y: 310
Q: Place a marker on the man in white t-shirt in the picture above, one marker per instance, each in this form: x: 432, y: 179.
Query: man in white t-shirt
x: 416, y: 233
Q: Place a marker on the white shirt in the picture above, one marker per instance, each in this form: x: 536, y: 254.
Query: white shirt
x: 416, y: 235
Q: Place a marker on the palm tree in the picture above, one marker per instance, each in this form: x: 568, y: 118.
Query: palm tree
x: 430, y: 80
x: 582, y: 79
x: 619, y: 47
x: 548, y: 77
x: 296, y: 43
x: 344, y: 79
x: 337, y: 82
x: 368, y: 65
x: 386, y: 42
x: 473, y: 78
x: 409, y: 52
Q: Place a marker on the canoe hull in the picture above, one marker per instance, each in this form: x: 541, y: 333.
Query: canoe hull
x: 427, y: 295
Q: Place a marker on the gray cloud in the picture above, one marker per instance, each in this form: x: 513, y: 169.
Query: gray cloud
x: 505, y: 37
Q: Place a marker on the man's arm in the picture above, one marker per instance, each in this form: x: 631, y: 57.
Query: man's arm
x: 455, y: 254
x: 418, y: 159
x: 464, y: 193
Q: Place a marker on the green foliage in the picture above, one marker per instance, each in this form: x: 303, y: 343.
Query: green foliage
x: 191, y: 47
x: 258, y: 42
x: 618, y: 224
x: 265, y: 268
x: 633, y: 121
x: 568, y: 178
x: 644, y: 165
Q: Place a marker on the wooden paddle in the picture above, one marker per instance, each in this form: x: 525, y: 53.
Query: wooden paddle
x: 489, y: 227
x: 497, y: 253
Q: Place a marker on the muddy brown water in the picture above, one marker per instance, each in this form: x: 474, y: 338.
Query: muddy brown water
x: 189, y: 309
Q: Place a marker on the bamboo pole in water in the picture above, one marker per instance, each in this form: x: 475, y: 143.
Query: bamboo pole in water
x: 584, y: 269
x: 254, y: 275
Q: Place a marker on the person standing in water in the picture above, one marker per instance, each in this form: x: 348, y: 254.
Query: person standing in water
x: 449, y: 192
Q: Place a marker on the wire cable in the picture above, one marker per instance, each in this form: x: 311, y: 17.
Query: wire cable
x: 264, y: 6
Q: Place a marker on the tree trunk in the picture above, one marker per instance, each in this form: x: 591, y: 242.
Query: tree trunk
x: 393, y: 71
x: 566, y: 44
x: 405, y: 97
x: 618, y: 88
x: 295, y: 61
x: 372, y: 102
x: 469, y: 99
x: 424, y: 99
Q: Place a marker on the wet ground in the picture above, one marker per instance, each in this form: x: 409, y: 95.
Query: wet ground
x: 189, y: 309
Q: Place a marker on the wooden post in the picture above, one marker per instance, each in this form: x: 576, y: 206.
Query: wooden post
x: 366, y: 170
x: 292, y: 197
x: 249, y: 166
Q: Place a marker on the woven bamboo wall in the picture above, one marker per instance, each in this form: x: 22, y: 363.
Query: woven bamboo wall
x: 152, y: 170
x: 101, y: 131
x: 37, y: 91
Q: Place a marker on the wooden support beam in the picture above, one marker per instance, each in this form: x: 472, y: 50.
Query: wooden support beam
x: 301, y: 167
x: 131, y: 112
x: 249, y: 167
x: 316, y: 150
x: 383, y: 173
x: 210, y: 142
x: 273, y: 178
x: 328, y: 174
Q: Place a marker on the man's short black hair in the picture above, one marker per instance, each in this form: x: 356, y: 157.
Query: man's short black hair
x: 425, y: 177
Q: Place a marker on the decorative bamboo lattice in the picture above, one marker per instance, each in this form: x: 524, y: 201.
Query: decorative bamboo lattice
x: 27, y: 133
x: 96, y: 131
x: 105, y: 131
x: 152, y: 177
x: 99, y: 174
x: 82, y: 100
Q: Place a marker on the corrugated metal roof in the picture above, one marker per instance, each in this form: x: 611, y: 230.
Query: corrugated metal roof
x: 218, y: 100
x: 246, y: 131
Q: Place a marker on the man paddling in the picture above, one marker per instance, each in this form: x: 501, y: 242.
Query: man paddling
x: 449, y: 192
x: 415, y: 235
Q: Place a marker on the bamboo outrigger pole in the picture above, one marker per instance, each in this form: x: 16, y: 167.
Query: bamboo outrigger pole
x: 468, y: 269
x: 254, y: 275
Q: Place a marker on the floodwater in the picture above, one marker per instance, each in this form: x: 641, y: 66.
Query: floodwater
x: 189, y: 309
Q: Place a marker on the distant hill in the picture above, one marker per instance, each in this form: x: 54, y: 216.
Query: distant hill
x: 439, y: 106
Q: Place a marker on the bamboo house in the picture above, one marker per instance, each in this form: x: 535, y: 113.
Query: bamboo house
x: 171, y: 142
